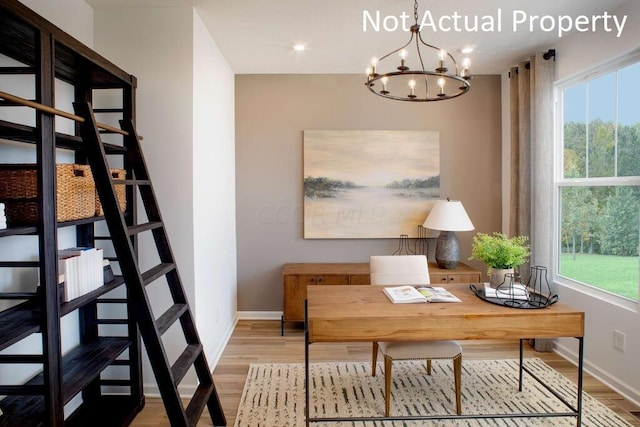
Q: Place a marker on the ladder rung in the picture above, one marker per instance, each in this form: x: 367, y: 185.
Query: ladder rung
x: 26, y: 390
x: 21, y: 358
x: 198, y: 402
x: 120, y: 362
x: 156, y: 272
x: 180, y: 368
x: 170, y: 316
x: 112, y: 321
x: 132, y: 181
x: 135, y: 229
x: 112, y: 258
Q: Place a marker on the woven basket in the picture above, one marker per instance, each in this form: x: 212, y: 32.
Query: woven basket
x: 120, y: 192
x: 75, y: 193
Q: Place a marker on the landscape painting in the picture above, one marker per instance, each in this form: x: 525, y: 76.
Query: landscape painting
x: 369, y: 184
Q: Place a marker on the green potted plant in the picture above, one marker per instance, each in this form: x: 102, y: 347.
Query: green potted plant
x: 500, y: 253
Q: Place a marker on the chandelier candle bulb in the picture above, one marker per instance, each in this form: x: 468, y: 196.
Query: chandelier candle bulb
x: 384, y: 81
x: 412, y: 86
x: 403, y: 59
x: 441, y: 84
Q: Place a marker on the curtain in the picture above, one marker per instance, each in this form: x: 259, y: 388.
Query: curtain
x: 531, y: 196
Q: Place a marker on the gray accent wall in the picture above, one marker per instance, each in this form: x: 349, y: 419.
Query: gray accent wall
x: 273, y: 111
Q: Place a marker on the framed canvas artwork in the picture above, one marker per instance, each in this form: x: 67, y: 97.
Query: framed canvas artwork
x: 369, y: 184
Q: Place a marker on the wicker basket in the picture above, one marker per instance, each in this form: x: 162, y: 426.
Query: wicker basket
x: 75, y: 193
x: 120, y: 192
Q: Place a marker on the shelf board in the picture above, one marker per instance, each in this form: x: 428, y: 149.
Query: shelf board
x: 18, y: 322
x: 109, y: 410
x: 68, y: 307
x: 30, y: 230
x: 22, y: 320
x: 81, y: 366
x: 24, y: 133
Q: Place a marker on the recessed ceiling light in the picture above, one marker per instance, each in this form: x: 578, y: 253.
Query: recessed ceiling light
x: 299, y: 47
x: 467, y: 50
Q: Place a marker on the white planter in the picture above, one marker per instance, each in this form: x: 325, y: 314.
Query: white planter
x: 497, y: 276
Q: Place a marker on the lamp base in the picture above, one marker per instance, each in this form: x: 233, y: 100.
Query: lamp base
x: 447, y: 250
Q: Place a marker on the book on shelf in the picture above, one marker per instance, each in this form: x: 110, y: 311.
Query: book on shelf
x: 407, y: 294
x: 83, y: 269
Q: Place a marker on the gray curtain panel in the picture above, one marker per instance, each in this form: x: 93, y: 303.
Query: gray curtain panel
x: 531, y: 211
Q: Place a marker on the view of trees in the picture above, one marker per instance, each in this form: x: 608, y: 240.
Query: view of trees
x: 601, y: 219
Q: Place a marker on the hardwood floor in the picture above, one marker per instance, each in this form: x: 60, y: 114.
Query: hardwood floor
x: 259, y: 341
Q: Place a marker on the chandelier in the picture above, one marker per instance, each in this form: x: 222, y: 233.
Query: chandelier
x: 420, y: 83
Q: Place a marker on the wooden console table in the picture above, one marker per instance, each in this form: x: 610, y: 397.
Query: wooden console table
x: 296, y: 278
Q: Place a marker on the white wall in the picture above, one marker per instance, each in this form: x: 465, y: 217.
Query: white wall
x: 157, y: 45
x: 214, y: 213
x: 575, y: 54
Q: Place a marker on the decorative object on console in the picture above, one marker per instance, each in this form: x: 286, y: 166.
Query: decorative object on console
x: 403, y: 246
x: 368, y: 184
x: 410, y: 80
x: 448, y: 216
x: 499, y: 253
x: 539, y: 285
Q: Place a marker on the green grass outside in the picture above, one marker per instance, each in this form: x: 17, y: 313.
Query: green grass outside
x: 616, y: 274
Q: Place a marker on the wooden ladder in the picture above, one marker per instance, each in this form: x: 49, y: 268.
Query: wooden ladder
x: 168, y: 376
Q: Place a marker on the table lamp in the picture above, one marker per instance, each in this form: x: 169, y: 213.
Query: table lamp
x: 448, y: 216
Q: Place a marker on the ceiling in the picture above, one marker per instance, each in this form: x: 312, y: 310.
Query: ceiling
x: 256, y: 36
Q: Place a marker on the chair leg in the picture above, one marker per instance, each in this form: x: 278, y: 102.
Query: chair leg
x: 428, y: 366
x: 387, y: 384
x: 374, y: 359
x: 457, y: 373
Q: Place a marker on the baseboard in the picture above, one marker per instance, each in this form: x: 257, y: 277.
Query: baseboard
x: 187, y: 390
x: 259, y: 315
x: 613, y: 383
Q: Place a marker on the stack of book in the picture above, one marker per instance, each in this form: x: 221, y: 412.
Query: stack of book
x: 83, y: 270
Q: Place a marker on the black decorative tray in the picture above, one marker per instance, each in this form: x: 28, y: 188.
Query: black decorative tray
x: 534, y: 301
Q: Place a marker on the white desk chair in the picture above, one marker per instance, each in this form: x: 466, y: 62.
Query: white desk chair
x: 409, y: 270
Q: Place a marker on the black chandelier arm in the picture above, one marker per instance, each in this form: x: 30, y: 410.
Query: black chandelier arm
x: 426, y: 81
x: 397, y: 50
x: 438, y: 49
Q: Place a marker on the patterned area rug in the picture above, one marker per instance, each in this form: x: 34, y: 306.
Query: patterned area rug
x: 273, y: 394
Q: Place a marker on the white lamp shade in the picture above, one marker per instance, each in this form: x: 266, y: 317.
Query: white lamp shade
x: 448, y: 215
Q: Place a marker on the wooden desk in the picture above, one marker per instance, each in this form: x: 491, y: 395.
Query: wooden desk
x: 363, y: 313
x: 296, y: 278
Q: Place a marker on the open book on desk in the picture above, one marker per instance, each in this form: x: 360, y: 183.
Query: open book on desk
x: 407, y: 294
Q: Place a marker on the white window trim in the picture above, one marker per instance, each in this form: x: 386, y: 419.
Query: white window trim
x: 559, y: 182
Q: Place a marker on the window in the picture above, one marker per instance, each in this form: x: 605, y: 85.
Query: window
x: 598, y: 181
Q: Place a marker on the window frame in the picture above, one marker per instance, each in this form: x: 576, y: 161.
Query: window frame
x: 560, y: 182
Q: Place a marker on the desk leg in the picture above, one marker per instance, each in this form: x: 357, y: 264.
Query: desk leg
x: 580, y: 367
x: 521, y: 361
x: 306, y: 365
